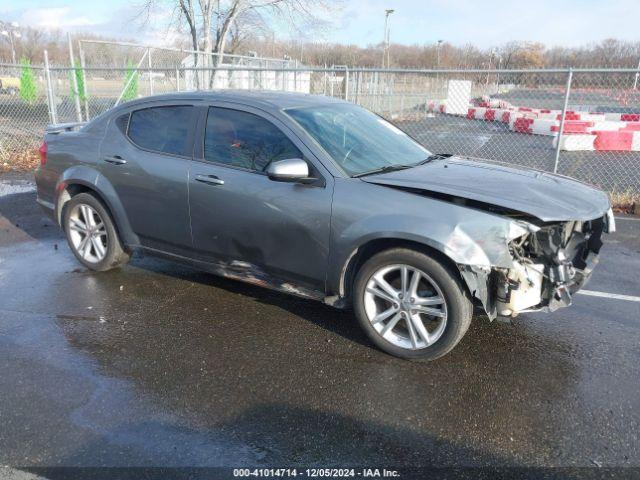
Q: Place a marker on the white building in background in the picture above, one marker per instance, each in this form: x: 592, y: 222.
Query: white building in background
x: 269, y: 77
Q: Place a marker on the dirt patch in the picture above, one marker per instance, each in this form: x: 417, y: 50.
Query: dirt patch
x: 24, y: 160
x: 628, y: 202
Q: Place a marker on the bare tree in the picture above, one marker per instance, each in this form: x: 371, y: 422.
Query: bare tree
x: 251, y: 25
x: 234, y: 19
x: 246, y: 28
x: 507, y: 52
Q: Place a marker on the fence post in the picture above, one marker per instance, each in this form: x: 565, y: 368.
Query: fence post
x: 74, y: 80
x: 149, y: 64
x: 324, y: 80
x: 177, y: 79
x: 391, y: 87
x: 50, y: 99
x: 564, y: 113
x: 331, y: 82
x: 84, y: 83
x: 346, y: 83
x: 194, y: 72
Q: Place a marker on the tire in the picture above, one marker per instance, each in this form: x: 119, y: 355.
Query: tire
x: 438, y: 302
x: 103, y: 249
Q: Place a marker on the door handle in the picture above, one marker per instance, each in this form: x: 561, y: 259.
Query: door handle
x: 115, y: 160
x: 210, y: 179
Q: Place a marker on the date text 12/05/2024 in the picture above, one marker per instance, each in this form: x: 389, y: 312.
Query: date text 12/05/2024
x: 316, y: 472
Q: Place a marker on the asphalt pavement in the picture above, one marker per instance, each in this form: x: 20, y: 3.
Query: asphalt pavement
x: 157, y: 364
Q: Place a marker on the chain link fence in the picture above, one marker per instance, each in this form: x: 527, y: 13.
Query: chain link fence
x: 508, y: 116
x: 23, y: 108
x: 98, y: 53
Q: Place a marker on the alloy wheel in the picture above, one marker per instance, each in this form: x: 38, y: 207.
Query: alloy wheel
x: 88, y: 233
x: 405, y: 306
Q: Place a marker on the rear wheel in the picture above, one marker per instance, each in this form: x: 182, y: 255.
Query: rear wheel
x: 411, y: 305
x: 91, y: 233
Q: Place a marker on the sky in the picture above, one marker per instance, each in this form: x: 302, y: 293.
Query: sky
x: 485, y: 23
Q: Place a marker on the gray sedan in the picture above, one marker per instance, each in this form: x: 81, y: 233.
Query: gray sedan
x: 320, y: 198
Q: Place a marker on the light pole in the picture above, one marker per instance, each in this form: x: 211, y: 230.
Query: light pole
x: 438, y: 53
x: 12, y: 33
x: 385, y: 40
x: 493, y: 52
x: 438, y: 60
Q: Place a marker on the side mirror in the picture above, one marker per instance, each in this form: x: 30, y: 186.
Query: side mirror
x: 289, y: 170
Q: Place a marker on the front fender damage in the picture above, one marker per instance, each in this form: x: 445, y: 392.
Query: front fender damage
x: 478, y: 282
x: 485, y: 256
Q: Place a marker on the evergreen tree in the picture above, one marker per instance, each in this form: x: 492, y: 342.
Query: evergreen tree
x: 82, y: 94
x: 130, y: 82
x: 28, y: 86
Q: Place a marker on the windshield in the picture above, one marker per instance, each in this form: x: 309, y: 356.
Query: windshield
x: 358, y: 140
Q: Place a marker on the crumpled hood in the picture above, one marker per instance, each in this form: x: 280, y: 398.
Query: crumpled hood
x: 543, y: 195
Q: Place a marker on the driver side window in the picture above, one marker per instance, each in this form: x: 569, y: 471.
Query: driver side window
x: 245, y: 140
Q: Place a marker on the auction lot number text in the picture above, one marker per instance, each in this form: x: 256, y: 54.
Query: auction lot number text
x: 316, y: 472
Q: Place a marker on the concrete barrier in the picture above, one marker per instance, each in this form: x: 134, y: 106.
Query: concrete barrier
x: 611, y: 141
x: 572, y: 143
x: 602, y: 131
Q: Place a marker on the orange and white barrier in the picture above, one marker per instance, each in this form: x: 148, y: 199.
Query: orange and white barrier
x: 603, y: 141
x: 599, y: 131
x: 621, y: 141
x: 575, y: 126
x: 439, y: 106
x: 574, y: 143
x: 623, y: 117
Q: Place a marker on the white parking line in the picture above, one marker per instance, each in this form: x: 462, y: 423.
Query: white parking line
x: 633, y: 219
x: 615, y: 296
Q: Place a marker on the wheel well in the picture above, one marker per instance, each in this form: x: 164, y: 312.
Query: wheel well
x: 74, y: 189
x: 369, y: 249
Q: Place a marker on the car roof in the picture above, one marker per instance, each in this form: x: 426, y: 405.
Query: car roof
x: 266, y: 99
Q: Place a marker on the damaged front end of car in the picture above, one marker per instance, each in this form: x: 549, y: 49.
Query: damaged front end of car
x: 522, y: 239
x: 550, y: 261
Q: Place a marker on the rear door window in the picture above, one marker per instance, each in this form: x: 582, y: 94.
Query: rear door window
x: 245, y: 140
x: 162, y: 129
x: 122, y: 122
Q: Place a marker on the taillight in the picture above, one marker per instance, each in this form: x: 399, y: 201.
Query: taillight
x: 43, y: 153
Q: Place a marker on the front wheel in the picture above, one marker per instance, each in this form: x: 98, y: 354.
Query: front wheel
x: 411, y: 305
x: 91, y: 233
